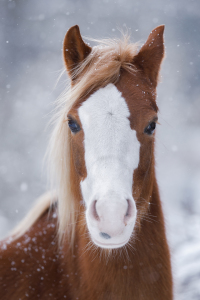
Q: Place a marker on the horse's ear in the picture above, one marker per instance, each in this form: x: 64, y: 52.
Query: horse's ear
x: 74, y: 50
x: 151, y: 54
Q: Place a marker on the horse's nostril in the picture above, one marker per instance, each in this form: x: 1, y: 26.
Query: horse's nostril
x: 94, y: 211
x: 105, y: 235
x: 128, y: 209
x: 129, y: 216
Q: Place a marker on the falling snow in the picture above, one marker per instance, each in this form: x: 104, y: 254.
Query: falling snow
x: 31, y: 41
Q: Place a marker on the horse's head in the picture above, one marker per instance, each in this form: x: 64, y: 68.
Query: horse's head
x: 112, y: 132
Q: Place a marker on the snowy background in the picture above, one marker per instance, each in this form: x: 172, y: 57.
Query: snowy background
x: 31, y: 35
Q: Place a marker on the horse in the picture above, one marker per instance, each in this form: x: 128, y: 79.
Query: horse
x: 101, y: 235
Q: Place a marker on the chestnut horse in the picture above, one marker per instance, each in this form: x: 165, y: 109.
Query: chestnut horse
x: 103, y: 235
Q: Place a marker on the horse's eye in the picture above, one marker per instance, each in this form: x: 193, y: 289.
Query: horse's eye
x: 150, y: 128
x: 73, y: 125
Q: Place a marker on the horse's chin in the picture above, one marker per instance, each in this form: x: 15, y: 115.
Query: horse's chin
x: 108, y: 241
x: 107, y: 245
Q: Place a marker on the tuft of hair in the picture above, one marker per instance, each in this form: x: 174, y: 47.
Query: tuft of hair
x: 101, y: 67
x: 42, y: 204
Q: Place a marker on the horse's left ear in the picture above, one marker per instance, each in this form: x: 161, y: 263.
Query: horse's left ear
x: 151, y: 54
x: 74, y: 50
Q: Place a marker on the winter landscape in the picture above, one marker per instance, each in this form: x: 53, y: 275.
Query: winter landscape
x: 31, y: 38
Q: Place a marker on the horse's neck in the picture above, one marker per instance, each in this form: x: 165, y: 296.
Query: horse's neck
x: 134, y: 270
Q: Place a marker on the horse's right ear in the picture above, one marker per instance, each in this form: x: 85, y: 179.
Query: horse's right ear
x: 74, y: 50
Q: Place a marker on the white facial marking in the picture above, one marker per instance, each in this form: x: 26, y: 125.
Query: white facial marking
x: 111, y: 156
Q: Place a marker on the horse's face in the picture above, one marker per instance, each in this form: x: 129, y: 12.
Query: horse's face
x: 112, y: 141
x: 109, y: 130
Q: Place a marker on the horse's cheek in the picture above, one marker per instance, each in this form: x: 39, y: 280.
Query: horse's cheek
x: 78, y: 158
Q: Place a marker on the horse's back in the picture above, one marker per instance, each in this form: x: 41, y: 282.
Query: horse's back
x: 30, y: 265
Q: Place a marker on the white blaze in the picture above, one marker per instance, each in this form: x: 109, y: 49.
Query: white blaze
x: 111, y: 147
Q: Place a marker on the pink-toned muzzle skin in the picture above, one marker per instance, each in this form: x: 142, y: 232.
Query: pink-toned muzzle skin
x: 111, y: 156
x: 111, y: 221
